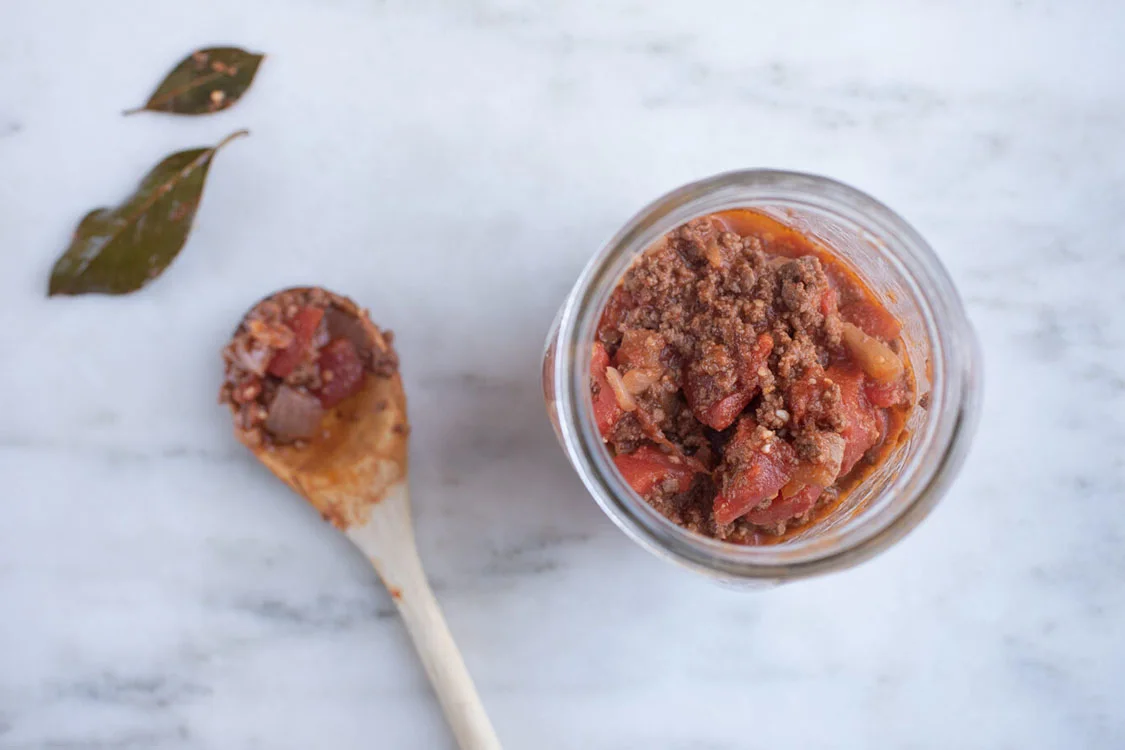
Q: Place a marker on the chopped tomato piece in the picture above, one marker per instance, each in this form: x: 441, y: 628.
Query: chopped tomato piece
x: 709, y: 381
x: 716, y: 411
x: 304, y: 325
x: 606, y: 409
x: 341, y: 372
x: 757, y: 465
x: 885, y: 395
x: 806, y: 396
x: 872, y: 319
x: 783, y: 509
x: 861, y: 430
x: 647, y: 467
x: 720, y: 413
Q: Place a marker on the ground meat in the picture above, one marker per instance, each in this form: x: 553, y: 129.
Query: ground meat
x: 771, y: 411
x: 802, y: 287
x: 628, y: 433
x: 296, y: 355
x: 740, y: 319
x: 691, y: 509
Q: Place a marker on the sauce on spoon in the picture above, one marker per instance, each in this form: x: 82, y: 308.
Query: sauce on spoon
x: 314, y: 390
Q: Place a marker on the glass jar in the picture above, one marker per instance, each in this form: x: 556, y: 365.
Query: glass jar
x: 940, y: 344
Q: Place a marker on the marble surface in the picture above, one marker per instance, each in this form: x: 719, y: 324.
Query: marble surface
x: 452, y: 164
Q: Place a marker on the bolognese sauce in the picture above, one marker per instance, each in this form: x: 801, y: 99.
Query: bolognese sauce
x: 744, y: 378
x: 296, y: 355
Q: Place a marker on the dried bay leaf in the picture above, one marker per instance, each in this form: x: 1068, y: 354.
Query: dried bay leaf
x: 206, y: 81
x: 119, y: 250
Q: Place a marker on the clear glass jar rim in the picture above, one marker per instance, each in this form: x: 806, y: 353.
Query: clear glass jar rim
x: 954, y: 383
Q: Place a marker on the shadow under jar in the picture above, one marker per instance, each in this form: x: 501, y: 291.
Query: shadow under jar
x: 937, y: 344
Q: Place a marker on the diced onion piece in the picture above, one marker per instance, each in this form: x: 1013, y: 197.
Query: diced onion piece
x: 873, y: 356
x: 795, y: 485
x: 275, y: 335
x: 617, y: 384
x: 712, y: 253
x: 253, y: 360
x: 638, y: 381
x: 294, y: 415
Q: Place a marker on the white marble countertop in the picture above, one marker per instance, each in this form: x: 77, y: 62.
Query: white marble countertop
x: 452, y: 165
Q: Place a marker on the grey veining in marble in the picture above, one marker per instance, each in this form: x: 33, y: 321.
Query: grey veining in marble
x: 452, y: 165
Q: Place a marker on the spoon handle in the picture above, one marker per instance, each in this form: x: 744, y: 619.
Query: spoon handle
x: 388, y: 540
x: 447, y: 671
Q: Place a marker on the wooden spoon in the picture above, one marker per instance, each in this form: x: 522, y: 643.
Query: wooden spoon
x: 355, y: 474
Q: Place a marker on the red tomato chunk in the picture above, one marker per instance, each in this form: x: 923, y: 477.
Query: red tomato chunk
x: 785, y: 509
x: 304, y: 326
x: 647, y: 467
x: 758, y: 465
x: 341, y: 372
x: 861, y: 431
x: 606, y: 410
